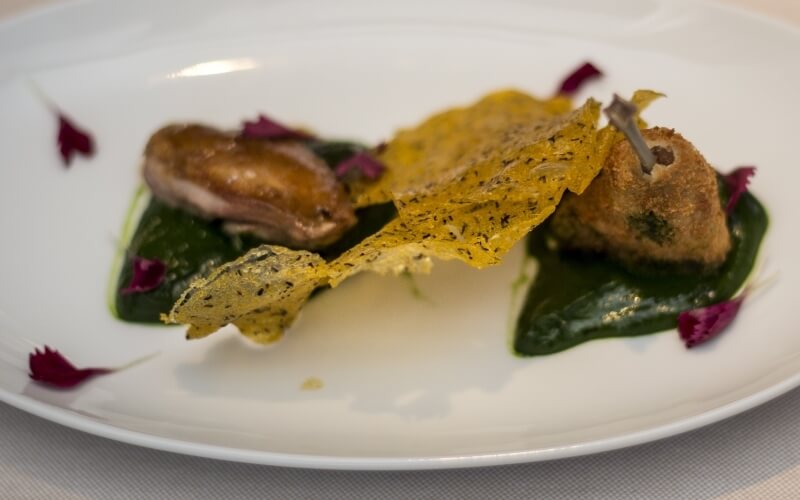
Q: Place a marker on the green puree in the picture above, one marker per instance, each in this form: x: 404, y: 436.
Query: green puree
x: 577, y: 298
x: 191, y: 246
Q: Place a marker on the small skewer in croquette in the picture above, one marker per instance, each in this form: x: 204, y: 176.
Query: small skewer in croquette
x: 666, y: 215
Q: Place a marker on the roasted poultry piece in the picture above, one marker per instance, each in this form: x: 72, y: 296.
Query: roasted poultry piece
x: 276, y: 189
x: 660, y: 211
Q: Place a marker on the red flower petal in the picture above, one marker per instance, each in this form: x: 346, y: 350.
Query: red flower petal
x: 577, y: 78
x: 51, y: 368
x: 265, y: 128
x: 72, y: 140
x: 737, y: 182
x: 148, y: 274
x: 361, y: 163
x: 700, y: 325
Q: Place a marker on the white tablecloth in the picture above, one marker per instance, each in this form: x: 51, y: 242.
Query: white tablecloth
x: 753, y: 455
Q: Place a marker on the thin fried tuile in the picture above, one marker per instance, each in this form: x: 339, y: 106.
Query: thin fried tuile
x: 269, y: 282
x: 392, y: 250
x: 467, y: 183
x: 505, y: 189
x: 642, y: 99
x: 432, y: 152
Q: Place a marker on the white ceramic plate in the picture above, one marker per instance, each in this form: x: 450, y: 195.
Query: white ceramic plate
x: 407, y: 383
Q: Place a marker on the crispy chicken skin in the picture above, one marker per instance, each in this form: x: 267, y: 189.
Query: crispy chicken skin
x: 672, y: 216
x: 278, y: 190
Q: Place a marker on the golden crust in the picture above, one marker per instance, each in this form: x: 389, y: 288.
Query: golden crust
x: 672, y: 216
x: 278, y: 189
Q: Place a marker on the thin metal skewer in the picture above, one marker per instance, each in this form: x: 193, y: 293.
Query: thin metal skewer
x: 621, y: 114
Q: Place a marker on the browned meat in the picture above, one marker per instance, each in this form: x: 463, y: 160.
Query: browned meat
x: 671, y: 216
x: 278, y: 190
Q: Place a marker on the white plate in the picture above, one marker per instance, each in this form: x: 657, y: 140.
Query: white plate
x: 407, y: 383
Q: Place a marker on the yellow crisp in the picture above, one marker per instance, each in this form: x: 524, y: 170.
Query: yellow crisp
x: 467, y: 184
x: 260, y: 292
x: 432, y: 151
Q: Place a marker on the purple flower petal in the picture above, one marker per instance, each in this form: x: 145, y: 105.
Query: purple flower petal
x: 266, y: 128
x: 700, y: 325
x: 148, y: 274
x: 51, y: 368
x: 577, y: 78
x: 737, y: 182
x: 72, y: 140
x: 362, y: 164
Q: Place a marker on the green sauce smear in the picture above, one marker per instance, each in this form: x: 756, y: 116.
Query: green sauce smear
x: 577, y: 298
x: 191, y: 246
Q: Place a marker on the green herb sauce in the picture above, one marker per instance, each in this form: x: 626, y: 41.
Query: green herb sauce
x: 577, y: 298
x: 191, y: 246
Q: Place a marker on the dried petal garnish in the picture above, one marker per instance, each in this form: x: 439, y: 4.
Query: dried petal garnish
x: 577, y: 78
x: 266, y: 128
x: 148, y: 274
x: 700, y: 325
x: 49, y: 367
x: 72, y: 140
x: 361, y: 164
x: 737, y: 182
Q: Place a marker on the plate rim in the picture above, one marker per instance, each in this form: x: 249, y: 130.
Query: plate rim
x: 82, y: 423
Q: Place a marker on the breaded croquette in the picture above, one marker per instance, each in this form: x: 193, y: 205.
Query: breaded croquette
x: 671, y: 216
